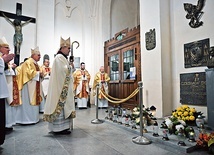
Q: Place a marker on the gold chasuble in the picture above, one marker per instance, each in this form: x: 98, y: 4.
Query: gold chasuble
x: 38, y: 97
x: 81, y: 83
x: 102, y: 79
x: 27, y: 71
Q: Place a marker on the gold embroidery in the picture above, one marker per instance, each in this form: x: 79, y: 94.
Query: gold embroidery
x: 63, y: 96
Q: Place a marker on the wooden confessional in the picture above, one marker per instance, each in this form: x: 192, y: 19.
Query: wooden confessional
x: 123, y: 65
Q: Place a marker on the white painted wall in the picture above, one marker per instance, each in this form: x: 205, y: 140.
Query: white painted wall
x: 124, y: 14
x: 172, y: 32
x: 182, y: 33
x: 45, y: 28
x: 152, y: 70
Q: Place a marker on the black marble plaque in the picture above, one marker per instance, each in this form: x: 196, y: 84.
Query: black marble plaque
x: 193, y: 89
x: 196, y: 53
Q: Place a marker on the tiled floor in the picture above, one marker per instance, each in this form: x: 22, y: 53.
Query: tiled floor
x: 86, y: 139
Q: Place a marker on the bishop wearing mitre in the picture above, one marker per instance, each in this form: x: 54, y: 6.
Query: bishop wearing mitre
x: 13, y: 100
x: 60, y: 107
x: 29, y: 83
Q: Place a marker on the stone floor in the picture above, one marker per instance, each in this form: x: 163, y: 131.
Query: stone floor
x: 86, y: 138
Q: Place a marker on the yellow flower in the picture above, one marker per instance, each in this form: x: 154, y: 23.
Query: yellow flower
x: 188, y: 109
x: 186, y: 113
x: 179, y: 113
x: 173, y: 114
x: 191, y: 113
x: 184, y: 106
x: 191, y: 118
x: 192, y: 110
x: 179, y: 109
x: 183, y: 118
x: 187, y: 118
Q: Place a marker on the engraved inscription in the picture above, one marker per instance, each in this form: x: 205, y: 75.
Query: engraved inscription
x: 193, y: 88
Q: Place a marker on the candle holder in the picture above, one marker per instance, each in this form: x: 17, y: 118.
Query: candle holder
x: 110, y: 114
x: 181, y: 137
x: 165, y: 132
x: 115, y: 117
x: 144, y: 124
x: 133, y: 122
x: 127, y: 119
x: 202, y: 129
x: 119, y: 110
x: 128, y: 111
x: 191, y: 135
x: 119, y: 119
x: 199, y: 120
x: 155, y: 129
x: 124, y: 111
x: 153, y: 112
x: 107, y: 114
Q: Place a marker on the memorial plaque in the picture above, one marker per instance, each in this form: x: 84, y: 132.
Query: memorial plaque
x: 196, y: 53
x: 193, y: 89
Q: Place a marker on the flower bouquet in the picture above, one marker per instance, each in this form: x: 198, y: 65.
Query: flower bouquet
x: 181, y: 118
x: 206, y: 141
x: 173, y: 124
x: 187, y: 114
x: 146, y: 113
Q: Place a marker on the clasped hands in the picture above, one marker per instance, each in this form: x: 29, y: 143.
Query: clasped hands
x: 41, y: 74
x: 8, y: 57
x: 13, y: 65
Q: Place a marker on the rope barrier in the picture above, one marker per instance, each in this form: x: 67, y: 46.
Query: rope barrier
x: 119, y: 100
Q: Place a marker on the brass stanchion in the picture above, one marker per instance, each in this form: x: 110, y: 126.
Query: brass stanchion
x: 97, y: 121
x: 141, y: 139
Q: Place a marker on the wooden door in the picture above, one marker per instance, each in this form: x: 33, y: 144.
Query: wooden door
x: 119, y: 63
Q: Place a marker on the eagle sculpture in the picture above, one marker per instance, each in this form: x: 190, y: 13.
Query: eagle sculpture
x: 194, y: 13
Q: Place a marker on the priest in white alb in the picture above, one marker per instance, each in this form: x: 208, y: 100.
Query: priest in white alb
x: 101, y: 79
x: 81, y: 86
x: 60, y: 107
x: 45, y: 81
x: 13, y: 100
x: 4, y: 92
x: 29, y: 83
x: 47, y: 72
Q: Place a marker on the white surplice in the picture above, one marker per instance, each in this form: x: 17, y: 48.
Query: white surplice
x: 45, y: 84
x: 10, y: 110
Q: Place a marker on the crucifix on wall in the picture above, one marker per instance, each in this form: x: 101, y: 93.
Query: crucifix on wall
x: 18, y: 22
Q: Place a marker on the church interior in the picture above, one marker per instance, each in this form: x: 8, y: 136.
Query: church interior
x: 164, y: 45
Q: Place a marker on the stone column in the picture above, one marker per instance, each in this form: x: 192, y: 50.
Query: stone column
x: 210, y: 96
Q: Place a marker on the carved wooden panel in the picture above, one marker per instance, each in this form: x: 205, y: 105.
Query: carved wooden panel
x: 121, y: 53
